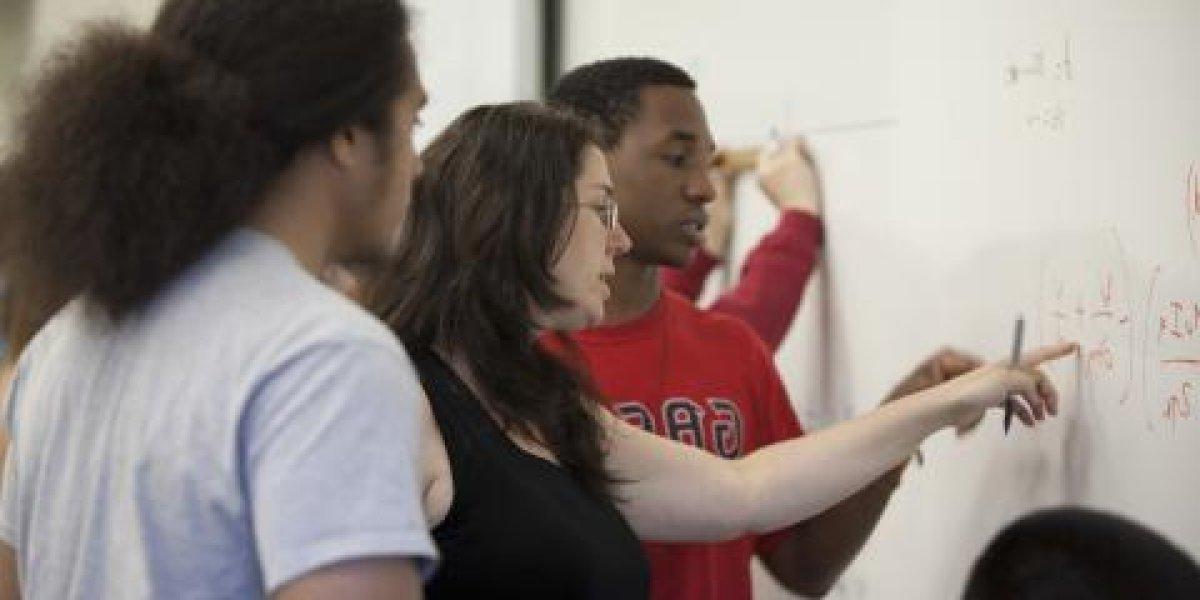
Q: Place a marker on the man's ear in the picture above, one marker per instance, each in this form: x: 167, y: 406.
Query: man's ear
x: 610, y: 160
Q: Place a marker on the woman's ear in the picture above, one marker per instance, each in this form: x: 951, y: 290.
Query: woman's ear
x: 346, y: 146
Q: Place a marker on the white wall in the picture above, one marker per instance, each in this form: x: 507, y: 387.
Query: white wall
x: 469, y: 51
x: 56, y: 20
x: 474, y: 52
x: 14, y: 23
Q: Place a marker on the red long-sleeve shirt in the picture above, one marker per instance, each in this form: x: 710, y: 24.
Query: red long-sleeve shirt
x: 774, y: 277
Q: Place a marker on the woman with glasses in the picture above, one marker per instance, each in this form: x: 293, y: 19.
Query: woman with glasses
x: 531, y: 488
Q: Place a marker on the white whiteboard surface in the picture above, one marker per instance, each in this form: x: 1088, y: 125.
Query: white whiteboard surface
x: 1041, y: 157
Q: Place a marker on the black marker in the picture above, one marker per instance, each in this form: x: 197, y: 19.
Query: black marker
x: 1016, y: 363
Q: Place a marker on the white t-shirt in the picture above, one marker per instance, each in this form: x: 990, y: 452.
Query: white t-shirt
x: 246, y: 427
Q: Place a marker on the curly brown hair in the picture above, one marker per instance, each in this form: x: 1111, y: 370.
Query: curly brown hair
x: 138, y: 151
x: 481, y: 238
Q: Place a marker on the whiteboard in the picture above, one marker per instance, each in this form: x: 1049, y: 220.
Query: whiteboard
x: 1036, y: 157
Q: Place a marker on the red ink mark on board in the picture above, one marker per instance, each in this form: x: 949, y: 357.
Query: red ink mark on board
x: 1179, y: 320
x: 1180, y: 403
x: 1101, y: 358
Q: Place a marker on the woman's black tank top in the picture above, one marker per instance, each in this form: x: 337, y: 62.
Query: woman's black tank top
x: 520, y: 526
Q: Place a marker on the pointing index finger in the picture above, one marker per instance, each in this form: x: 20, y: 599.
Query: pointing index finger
x: 1048, y: 353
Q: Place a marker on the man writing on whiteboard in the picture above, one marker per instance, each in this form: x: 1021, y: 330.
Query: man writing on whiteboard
x: 703, y: 377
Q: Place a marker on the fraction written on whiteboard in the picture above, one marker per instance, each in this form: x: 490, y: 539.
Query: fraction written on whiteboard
x: 1037, y: 80
x: 1036, y: 65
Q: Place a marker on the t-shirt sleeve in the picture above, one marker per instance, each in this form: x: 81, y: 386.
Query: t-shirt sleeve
x: 778, y: 419
x: 331, y: 456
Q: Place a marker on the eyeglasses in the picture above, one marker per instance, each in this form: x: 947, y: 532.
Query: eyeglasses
x: 607, y: 211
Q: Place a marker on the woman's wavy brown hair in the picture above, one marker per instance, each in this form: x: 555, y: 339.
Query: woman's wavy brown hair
x: 484, y: 230
x: 138, y: 151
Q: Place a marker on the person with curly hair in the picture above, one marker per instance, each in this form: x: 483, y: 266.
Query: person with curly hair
x: 200, y: 416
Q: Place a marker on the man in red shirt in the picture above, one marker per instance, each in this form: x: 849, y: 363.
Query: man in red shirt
x: 701, y: 377
x: 776, y: 271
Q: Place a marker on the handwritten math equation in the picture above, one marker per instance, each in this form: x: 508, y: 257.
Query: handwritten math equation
x: 1090, y: 302
x: 1042, y: 64
x: 1173, y: 351
x: 1174, y: 337
x: 1139, y: 336
x: 1037, y: 80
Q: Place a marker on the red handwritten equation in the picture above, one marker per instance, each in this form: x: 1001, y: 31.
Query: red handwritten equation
x: 1174, y: 357
x: 1088, y: 297
x: 1138, y: 331
x: 1172, y: 361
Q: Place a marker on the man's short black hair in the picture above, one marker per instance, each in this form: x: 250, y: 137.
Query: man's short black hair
x: 1075, y: 553
x: 607, y: 92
